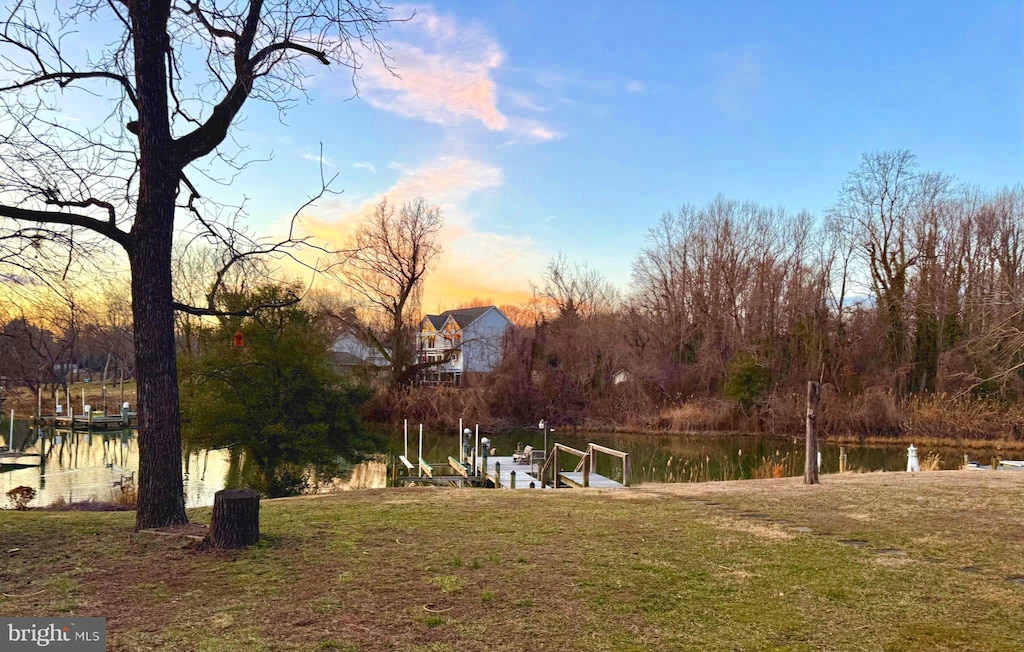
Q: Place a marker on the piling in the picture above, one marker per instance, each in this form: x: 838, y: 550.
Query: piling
x: 810, y: 463
x: 497, y: 475
x: 842, y: 459
x: 512, y: 479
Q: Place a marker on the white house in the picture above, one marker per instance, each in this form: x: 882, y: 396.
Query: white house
x: 350, y: 351
x: 462, y: 342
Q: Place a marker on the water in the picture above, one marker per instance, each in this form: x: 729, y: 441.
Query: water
x: 83, y: 466
x: 695, y: 458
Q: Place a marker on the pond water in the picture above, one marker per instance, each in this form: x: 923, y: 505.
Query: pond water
x: 82, y: 466
x: 692, y: 458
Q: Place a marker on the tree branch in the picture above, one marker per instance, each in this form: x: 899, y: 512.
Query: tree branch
x: 108, y: 229
x: 65, y: 78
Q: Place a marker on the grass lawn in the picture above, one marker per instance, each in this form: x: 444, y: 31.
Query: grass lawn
x: 721, y: 566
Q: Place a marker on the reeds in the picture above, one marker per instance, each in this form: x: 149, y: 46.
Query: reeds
x: 705, y: 468
x: 932, y: 462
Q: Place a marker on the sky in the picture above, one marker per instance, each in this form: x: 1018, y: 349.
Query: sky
x: 542, y: 127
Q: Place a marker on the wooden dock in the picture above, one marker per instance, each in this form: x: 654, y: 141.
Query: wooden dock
x: 597, y: 481
x: 93, y: 421
x: 17, y: 458
x: 499, y: 471
x: 507, y: 472
x: 502, y: 472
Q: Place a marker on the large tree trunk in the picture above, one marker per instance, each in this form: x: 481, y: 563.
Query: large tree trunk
x: 161, y: 492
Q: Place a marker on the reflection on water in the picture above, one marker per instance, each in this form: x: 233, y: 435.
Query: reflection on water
x: 79, y: 466
x: 82, y: 466
x: 372, y: 474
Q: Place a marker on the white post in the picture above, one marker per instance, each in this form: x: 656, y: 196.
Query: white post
x: 460, y: 439
x: 420, y: 456
x: 913, y: 464
x: 10, y: 437
x: 476, y: 447
x: 83, y: 399
x: 406, y: 439
x: 39, y: 403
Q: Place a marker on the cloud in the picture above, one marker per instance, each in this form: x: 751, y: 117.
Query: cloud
x: 738, y: 77
x: 447, y: 181
x: 475, y: 262
x: 531, y: 131
x: 317, y: 158
x: 522, y: 100
x: 443, y: 73
x: 634, y: 86
x: 362, y: 165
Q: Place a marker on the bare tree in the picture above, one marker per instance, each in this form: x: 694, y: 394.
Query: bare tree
x: 575, y: 290
x: 125, y: 179
x: 389, y: 257
x: 877, y: 203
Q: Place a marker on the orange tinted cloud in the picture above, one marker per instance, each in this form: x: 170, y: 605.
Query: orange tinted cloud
x: 474, y: 263
x: 444, y: 75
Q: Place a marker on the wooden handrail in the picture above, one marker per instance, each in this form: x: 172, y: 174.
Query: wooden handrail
x: 609, y: 451
x: 597, y: 448
x: 588, y: 462
x: 570, y: 449
x: 553, y: 459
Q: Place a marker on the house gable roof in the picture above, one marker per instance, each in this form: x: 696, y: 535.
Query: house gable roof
x: 462, y: 316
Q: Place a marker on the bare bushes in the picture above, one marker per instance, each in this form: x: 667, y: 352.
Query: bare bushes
x: 430, y: 405
x: 701, y: 415
x: 874, y: 413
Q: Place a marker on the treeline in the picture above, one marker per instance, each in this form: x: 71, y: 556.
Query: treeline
x: 58, y: 334
x: 904, y: 298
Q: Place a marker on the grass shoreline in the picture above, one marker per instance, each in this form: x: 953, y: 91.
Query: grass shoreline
x: 752, y: 565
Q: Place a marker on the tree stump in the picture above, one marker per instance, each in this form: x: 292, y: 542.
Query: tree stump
x: 236, y: 518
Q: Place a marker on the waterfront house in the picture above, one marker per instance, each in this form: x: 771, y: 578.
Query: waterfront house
x: 462, y: 343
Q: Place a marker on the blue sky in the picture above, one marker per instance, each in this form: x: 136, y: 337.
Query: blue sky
x: 546, y: 126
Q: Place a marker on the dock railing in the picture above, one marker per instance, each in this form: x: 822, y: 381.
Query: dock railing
x: 593, y: 449
x: 552, y: 461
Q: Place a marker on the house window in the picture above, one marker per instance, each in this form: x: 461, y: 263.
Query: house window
x: 431, y: 341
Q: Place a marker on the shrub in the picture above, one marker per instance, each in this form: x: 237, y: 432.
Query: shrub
x: 746, y: 380
x: 20, y: 497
